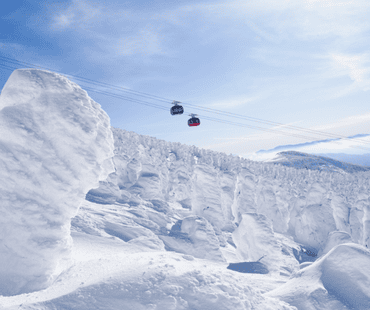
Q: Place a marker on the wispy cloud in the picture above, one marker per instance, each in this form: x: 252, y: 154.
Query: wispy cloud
x: 114, y: 31
x: 356, y: 67
x: 78, y: 14
x: 232, y: 102
x: 145, y: 41
x: 355, y: 121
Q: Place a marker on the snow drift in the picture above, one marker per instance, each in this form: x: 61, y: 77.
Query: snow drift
x: 55, y: 145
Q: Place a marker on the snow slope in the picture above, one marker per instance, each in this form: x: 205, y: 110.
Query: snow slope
x: 54, y: 141
x: 160, y: 231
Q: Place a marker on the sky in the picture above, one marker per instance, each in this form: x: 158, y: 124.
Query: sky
x: 292, y: 63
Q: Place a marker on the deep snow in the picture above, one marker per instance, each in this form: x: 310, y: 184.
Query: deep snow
x: 162, y: 229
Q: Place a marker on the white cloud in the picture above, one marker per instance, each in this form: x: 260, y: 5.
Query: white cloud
x: 63, y: 20
x: 78, y: 15
x: 327, y: 3
x: 113, y: 30
x: 347, y: 123
x: 271, y: 18
x: 146, y: 41
x: 232, y: 102
x: 357, y: 67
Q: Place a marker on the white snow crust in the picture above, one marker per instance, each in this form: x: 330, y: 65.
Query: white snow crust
x: 160, y: 231
x: 54, y: 141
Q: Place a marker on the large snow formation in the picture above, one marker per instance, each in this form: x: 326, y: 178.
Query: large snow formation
x: 55, y: 145
x: 234, y: 194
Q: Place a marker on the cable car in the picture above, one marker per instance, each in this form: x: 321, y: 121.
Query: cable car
x: 176, y: 109
x: 193, y: 121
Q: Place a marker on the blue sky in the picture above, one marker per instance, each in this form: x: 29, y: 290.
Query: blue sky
x: 298, y: 63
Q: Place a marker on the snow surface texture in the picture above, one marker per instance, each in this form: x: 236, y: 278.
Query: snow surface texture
x: 55, y: 145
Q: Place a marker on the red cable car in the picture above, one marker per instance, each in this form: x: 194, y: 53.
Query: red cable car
x: 193, y: 121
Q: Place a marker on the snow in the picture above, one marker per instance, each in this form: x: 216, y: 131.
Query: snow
x: 54, y: 141
x: 170, y: 225
x: 339, y: 280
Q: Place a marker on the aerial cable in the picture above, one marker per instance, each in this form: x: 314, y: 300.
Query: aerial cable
x: 210, y: 110
x: 223, y: 121
x: 7, y: 67
x: 312, y: 131
x: 229, y: 114
x: 120, y: 88
x: 276, y: 131
x: 270, y: 130
x: 127, y: 98
x: 220, y: 120
x: 202, y: 116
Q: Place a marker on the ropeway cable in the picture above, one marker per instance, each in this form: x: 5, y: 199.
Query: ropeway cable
x: 228, y: 114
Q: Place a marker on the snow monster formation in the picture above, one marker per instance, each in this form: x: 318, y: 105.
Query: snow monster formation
x: 55, y: 145
x: 237, y: 210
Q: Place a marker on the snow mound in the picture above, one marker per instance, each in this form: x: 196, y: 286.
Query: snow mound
x: 55, y: 145
x: 339, y: 280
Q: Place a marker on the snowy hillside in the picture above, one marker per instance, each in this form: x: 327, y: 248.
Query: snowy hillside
x: 300, y: 160
x: 178, y: 227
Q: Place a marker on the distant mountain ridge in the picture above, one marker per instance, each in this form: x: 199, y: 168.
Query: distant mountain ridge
x: 305, y: 144
x: 355, y: 159
x: 301, y: 160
